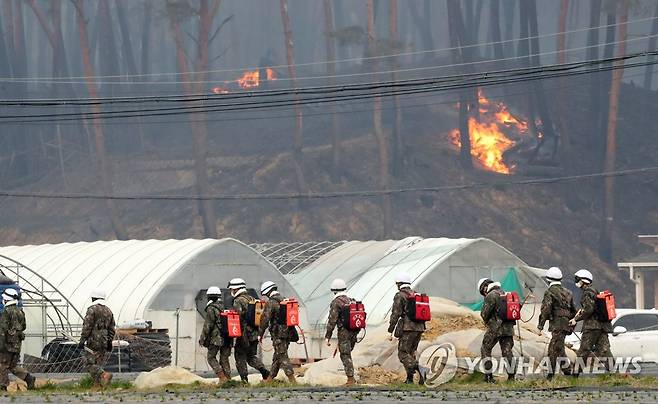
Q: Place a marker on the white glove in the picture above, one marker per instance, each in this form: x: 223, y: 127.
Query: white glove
x: 572, y: 322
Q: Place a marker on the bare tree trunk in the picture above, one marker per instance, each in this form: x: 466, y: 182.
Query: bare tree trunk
x: 529, y: 9
x: 494, y: 24
x: 126, y: 43
x: 298, y: 139
x: 454, y: 27
x: 422, y: 23
x: 21, y: 138
x: 648, y: 74
x: 593, y: 54
x: 197, y: 120
x: 394, y: 39
x: 605, y: 241
x: 380, y: 135
x: 604, y: 90
x: 101, y: 155
x: 131, y: 66
x: 330, y: 44
x: 146, y: 36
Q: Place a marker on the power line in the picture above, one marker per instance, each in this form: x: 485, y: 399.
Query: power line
x: 438, y: 50
x: 419, y: 88
x: 347, y: 103
x: 326, y: 195
x: 306, y: 90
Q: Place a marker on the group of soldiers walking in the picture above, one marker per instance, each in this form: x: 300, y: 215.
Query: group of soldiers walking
x: 557, y: 308
x: 245, y: 347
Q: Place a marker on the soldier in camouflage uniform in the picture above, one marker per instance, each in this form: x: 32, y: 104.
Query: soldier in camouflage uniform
x: 97, y: 334
x: 557, y: 308
x: 408, y: 331
x: 497, y: 331
x: 279, y: 332
x: 12, y: 326
x: 594, y: 340
x: 246, y: 347
x: 346, y: 337
x: 211, y: 336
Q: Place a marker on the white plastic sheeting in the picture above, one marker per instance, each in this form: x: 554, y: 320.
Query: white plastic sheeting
x: 140, y: 275
x: 442, y: 267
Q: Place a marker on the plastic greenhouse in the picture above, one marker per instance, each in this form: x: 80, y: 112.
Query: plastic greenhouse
x: 155, y: 280
x: 440, y: 267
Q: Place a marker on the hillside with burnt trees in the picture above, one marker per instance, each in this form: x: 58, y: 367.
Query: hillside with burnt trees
x: 530, y: 123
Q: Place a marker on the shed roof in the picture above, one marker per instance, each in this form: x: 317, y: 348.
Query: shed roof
x: 649, y: 259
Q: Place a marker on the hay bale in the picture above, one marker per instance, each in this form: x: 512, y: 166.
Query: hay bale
x: 444, y: 324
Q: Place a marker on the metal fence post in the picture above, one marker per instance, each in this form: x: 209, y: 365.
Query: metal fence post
x: 177, y: 329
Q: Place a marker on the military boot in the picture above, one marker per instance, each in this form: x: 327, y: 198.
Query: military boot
x: 511, y: 377
x: 549, y: 376
x: 244, y: 379
x: 222, y: 377
x: 106, y: 379
x: 351, y: 381
x: 488, y: 378
x: 265, y: 374
x: 29, y: 380
x: 410, y: 376
x: 292, y: 379
x: 421, y: 376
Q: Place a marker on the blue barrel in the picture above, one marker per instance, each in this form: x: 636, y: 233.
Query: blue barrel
x: 7, y: 283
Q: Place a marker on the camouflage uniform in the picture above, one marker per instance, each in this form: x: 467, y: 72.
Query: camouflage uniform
x: 407, y: 330
x: 97, y: 333
x: 246, y: 347
x: 558, y: 308
x: 280, y: 335
x: 594, y: 340
x: 346, y: 338
x: 497, y: 331
x: 12, y: 326
x: 211, y: 338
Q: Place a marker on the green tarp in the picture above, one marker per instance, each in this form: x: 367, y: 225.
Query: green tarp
x: 509, y: 283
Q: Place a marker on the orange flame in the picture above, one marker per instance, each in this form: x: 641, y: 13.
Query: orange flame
x: 488, y: 139
x: 251, y: 79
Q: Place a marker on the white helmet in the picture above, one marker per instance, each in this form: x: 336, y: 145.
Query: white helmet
x: 554, y: 274
x: 338, y: 285
x: 267, y: 287
x: 10, y: 294
x: 237, y: 283
x: 583, y: 275
x: 98, y: 294
x: 403, y: 277
x: 214, y: 291
x: 481, y: 282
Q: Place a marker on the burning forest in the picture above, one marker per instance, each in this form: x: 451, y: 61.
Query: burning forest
x: 493, y: 130
x: 299, y: 120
